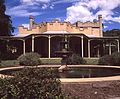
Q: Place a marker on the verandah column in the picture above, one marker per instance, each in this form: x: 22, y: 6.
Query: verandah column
x: 110, y: 49
x: 33, y: 43
x: 82, y: 46
x: 49, y: 46
x: 118, y: 45
x: 109, y: 45
x: 88, y: 48
x: 23, y: 47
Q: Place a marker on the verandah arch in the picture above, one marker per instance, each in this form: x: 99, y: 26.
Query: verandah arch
x: 41, y: 46
x: 75, y: 44
x: 55, y: 44
x: 101, y: 47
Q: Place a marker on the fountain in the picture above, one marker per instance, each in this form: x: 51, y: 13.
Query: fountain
x: 64, y: 53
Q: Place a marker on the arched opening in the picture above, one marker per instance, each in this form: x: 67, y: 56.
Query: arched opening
x: 96, y: 48
x: 110, y: 46
x: 55, y: 45
x: 41, y: 46
x: 28, y: 45
x: 75, y: 45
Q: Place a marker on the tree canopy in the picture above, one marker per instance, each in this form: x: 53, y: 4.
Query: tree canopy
x: 6, y: 27
x: 113, y: 32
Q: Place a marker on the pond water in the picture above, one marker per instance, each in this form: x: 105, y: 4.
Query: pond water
x: 79, y: 72
x: 89, y: 72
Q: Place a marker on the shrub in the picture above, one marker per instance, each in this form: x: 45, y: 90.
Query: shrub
x: 113, y: 59
x: 105, y: 60
x: 29, y: 59
x: 32, y: 83
x: 116, y: 58
x: 75, y: 59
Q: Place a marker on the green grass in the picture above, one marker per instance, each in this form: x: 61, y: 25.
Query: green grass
x: 51, y: 61
x: 47, y: 61
x: 92, y: 61
x: 9, y: 63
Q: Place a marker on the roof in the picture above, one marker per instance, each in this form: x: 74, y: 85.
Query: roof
x: 91, y: 35
x: 56, y: 32
x: 21, y: 35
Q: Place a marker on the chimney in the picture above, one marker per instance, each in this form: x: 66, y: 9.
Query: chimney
x: 100, y: 17
x: 31, y: 21
x: 100, y: 25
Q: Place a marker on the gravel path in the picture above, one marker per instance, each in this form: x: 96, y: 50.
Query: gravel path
x: 93, y: 90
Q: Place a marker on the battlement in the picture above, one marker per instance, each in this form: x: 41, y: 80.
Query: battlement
x: 87, y: 24
x: 87, y: 28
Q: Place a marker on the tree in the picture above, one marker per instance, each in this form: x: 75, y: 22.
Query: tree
x: 6, y: 27
x: 112, y: 33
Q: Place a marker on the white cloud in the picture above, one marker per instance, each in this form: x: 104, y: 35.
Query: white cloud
x: 82, y: 10
x: 115, y: 19
x: 22, y: 11
x: 52, y: 6
x: 45, y: 6
x: 29, y: 7
x: 34, y: 1
x: 26, y: 25
x: 90, y: 9
x: 77, y: 12
x: 105, y: 27
x: 64, y: 1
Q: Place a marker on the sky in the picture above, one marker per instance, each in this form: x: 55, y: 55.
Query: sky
x: 65, y: 10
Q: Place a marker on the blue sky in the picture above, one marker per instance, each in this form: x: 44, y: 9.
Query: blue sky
x: 65, y: 10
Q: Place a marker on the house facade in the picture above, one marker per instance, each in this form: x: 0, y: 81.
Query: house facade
x: 84, y: 38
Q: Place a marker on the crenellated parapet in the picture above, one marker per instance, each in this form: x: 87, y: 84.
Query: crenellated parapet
x: 87, y: 28
x: 24, y: 30
x: 56, y: 25
x: 86, y: 24
x: 35, y: 29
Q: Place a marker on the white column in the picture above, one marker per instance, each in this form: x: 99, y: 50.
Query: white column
x: 118, y: 45
x: 24, y: 47
x: 66, y: 45
x: 49, y: 47
x: 98, y: 52
x: 88, y: 48
x: 104, y: 48
x: 110, y: 50
x: 82, y: 46
x: 33, y: 43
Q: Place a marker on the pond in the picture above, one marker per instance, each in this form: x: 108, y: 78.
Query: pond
x: 78, y: 72
x: 89, y: 72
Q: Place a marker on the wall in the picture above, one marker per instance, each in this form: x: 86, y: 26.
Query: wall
x: 87, y: 28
